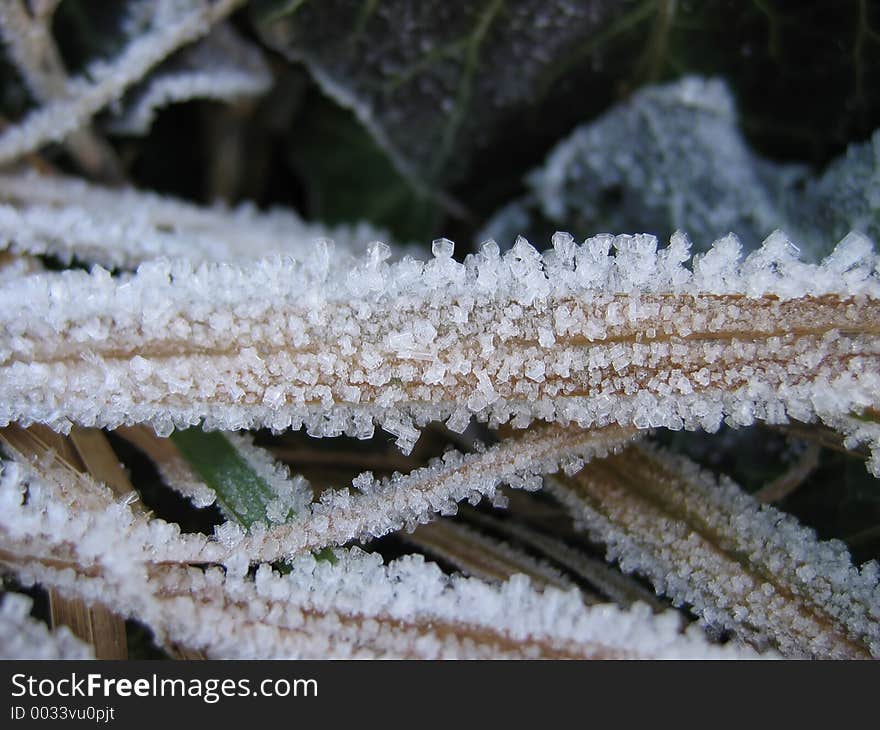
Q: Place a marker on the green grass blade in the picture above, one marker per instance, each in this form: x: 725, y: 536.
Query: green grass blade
x: 241, y: 492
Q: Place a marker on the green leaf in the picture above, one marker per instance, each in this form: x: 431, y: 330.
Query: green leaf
x: 327, y: 555
x: 241, y: 492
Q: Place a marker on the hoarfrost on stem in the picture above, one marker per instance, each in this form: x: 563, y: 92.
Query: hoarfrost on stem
x: 608, y: 331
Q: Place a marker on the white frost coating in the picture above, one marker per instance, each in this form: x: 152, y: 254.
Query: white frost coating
x: 410, y: 590
x: 846, y: 196
x: 28, y: 43
x: 174, y: 24
x: 375, y: 508
x: 674, y: 156
x: 84, y: 516
x: 23, y: 637
x: 68, y: 217
x: 741, y: 565
x: 859, y: 432
x: 69, y: 516
x: 221, y: 66
x: 671, y: 156
x: 684, y: 155
x: 178, y: 476
x: 637, y: 339
x: 357, y: 607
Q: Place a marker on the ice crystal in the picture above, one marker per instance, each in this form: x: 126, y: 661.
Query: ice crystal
x: 67, y: 217
x: 740, y: 565
x: 608, y: 331
x: 355, y: 606
x: 23, y: 637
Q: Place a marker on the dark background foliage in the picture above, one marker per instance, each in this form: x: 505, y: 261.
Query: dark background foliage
x: 462, y: 99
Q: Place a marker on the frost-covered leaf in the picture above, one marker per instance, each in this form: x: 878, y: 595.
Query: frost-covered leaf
x: 122, y: 228
x: 374, y: 507
x: 27, y: 32
x: 845, y: 197
x: 438, y: 82
x: 174, y: 469
x: 673, y: 157
x: 28, y: 42
x: 233, y: 318
x: 353, y: 607
x: 359, y: 608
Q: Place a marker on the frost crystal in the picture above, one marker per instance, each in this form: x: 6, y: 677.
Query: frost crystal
x: 228, y: 319
x: 609, y: 331
x: 124, y: 228
x: 22, y: 637
x: 404, y: 501
x: 352, y: 607
x: 741, y: 565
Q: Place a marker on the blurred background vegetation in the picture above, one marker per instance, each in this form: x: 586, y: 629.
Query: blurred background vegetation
x: 461, y: 100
